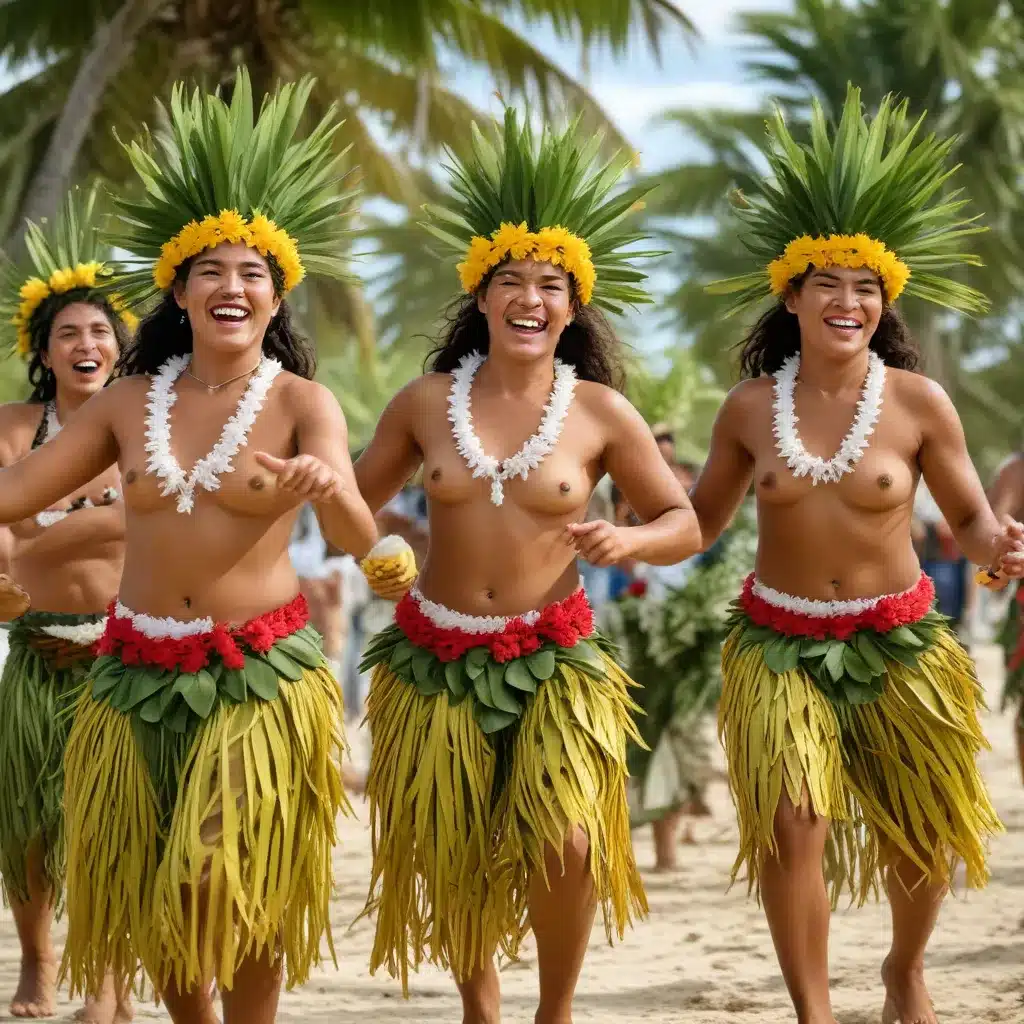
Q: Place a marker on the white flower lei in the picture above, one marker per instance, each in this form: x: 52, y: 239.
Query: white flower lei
x: 533, y: 452
x: 159, y: 628
x: 483, y: 625
x: 52, y: 423
x: 788, y: 442
x: 818, y: 608
x: 84, y: 635
x: 207, y: 470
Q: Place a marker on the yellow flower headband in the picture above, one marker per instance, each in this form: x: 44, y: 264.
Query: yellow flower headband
x: 260, y: 234
x: 549, y: 245
x: 839, y: 251
x: 35, y: 291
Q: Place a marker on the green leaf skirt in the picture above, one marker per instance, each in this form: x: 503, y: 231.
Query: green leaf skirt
x: 201, y: 815
x: 476, y: 768
x: 41, y: 681
x: 888, y: 756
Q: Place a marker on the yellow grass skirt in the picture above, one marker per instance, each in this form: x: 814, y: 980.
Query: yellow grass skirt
x: 460, y: 821
x: 896, y: 774
x: 243, y: 867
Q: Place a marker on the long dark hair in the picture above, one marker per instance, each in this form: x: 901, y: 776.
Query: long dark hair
x: 41, y: 378
x: 166, y: 332
x: 589, y: 344
x: 776, y: 336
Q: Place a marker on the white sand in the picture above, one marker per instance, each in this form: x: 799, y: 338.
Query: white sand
x: 705, y: 955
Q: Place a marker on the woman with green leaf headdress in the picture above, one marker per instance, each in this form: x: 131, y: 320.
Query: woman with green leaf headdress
x: 499, y: 718
x: 202, y: 766
x: 68, y: 328
x: 849, y: 710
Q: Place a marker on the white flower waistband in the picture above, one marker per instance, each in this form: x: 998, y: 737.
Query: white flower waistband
x: 821, y: 609
x: 447, y: 618
x: 85, y: 634
x: 157, y: 628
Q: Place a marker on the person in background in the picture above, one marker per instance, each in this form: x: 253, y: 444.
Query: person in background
x: 942, y: 560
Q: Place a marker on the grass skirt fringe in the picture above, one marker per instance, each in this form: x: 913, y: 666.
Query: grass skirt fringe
x: 452, y: 858
x: 894, y: 775
x: 246, y: 864
x: 34, y: 727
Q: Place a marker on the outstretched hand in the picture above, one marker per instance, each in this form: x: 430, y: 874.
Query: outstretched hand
x: 14, y: 601
x: 600, y: 543
x: 304, y: 476
x: 1009, y: 550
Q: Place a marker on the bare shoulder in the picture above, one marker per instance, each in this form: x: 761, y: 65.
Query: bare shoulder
x: 918, y: 394
x: 422, y: 394
x: 603, y: 402
x: 300, y: 392
x: 18, y: 417
x: 749, y: 398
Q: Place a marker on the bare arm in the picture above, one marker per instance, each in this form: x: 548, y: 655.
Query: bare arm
x: 725, y: 479
x: 393, y: 456
x: 79, y: 453
x: 952, y: 478
x: 100, y: 524
x: 344, y: 517
x: 669, y: 531
x: 1007, y: 492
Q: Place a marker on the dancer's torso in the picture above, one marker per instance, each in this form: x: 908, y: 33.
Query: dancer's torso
x: 855, y: 532
x: 228, y: 559
x: 487, y: 559
x: 73, y: 565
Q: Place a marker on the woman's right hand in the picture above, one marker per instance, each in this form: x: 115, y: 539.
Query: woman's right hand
x: 14, y: 601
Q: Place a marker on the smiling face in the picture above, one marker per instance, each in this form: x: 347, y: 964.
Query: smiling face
x: 527, y: 305
x: 230, y: 298
x: 838, y: 309
x: 82, y: 349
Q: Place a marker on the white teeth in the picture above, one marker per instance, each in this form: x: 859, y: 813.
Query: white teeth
x: 238, y: 314
x: 523, y: 322
x: 87, y: 365
x: 837, y: 321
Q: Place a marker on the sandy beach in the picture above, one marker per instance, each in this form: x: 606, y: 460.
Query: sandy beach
x: 705, y: 955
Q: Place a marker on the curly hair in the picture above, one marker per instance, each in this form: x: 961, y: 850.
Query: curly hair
x: 776, y: 336
x: 166, y: 332
x: 589, y: 344
x: 40, y: 377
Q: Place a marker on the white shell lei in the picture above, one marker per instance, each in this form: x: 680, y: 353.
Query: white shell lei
x: 788, y: 442
x: 207, y: 470
x: 533, y: 452
x: 818, y: 608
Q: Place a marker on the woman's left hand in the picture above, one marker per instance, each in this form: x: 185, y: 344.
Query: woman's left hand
x: 305, y: 476
x: 600, y: 543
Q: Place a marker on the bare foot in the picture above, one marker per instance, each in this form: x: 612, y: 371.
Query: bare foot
x: 352, y: 780
x: 906, y: 997
x: 36, y: 995
x: 107, y: 1008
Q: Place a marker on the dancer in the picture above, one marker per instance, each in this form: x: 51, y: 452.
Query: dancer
x: 202, y: 768
x: 67, y: 564
x: 1007, y: 497
x: 849, y: 709
x: 499, y: 720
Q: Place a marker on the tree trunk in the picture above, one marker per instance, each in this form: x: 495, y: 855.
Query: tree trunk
x: 112, y: 45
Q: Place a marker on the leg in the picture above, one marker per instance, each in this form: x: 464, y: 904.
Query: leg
x: 481, y: 996
x: 192, y: 1007
x: 562, y: 912
x: 915, y: 902
x: 797, y: 906
x: 665, y: 831
x: 254, y: 996
x: 36, y: 995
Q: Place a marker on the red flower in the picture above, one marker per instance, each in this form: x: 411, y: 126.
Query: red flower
x: 504, y: 647
x: 637, y: 588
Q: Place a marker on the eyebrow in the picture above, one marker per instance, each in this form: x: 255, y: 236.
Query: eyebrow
x: 835, y: 277
x: 211, y: 261
x: 518, y: 276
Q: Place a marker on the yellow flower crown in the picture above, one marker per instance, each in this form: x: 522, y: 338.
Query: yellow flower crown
x: 35, y: 291
x: 839, y: 251
x: 260, y: 234
x: 549, y: 245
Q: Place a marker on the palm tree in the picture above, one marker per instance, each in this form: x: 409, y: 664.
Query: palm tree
x: 961, y: 60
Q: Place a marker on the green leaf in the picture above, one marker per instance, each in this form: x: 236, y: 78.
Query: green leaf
x: 144, y: 683
x: 200, y: 693
x: 423, y: 662
x: 261, y: 678
x: 782, y: 655
x: 869, y: 651
x: 434, y: 682
x: 814, y: 648
x: 856, y: 666
x: 177, y: 718
x: 301, y: 649
x: 107, y: 678
x: 491, y: 720
x: 834, y: 660
x: 233, y: 684
x: 482, y: 689
x: 541, y: 664
x: 519, y: 676
x: 500, y: 693
x: 283, y: 665
x: 402, y: 656
x: 455, y: 678
x: 152, y: 711
x: 476, y: 660
x: 903, y: 636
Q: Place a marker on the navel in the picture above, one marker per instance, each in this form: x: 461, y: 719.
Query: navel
x: 836, y: 584
x: 131, y: 476
x: 768, y: 480
x: 257, y: 483
x: 436, y: 475
x: 188, y: 602
x: 489, y: 594
x: 885, y: 481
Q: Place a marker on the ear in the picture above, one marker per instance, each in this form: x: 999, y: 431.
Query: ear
x: 178, y: 290
x: 481, y: 299
x: 275, y: 308
x: 790, y: 300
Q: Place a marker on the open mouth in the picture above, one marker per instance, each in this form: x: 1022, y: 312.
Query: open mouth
x: 230, y: 314
x: 86, y: 367
x: 527, y: 324
x: 844, y: 323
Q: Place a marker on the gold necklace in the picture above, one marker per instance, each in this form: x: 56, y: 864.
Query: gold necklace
x: 216, y: 387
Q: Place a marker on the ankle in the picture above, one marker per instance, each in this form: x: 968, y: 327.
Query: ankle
x: 559, y: 1014
x: 39, y: 955
x: 894, y: 966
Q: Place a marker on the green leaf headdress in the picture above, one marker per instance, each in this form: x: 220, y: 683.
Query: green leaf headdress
x: 864, y: 195
x: 61, y: 257
x: 219, y: 174
x: 519, y: 197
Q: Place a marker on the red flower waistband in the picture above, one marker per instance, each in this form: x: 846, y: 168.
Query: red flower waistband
x: 449, y: 635
x: 793, y: 616
x: 130, y: 637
